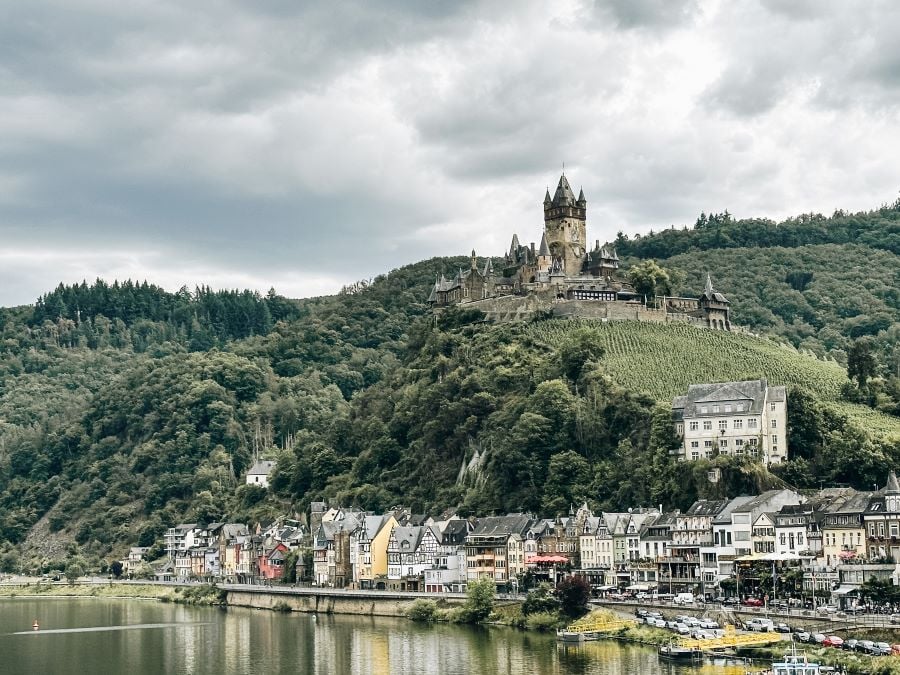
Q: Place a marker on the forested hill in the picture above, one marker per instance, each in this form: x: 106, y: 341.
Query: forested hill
x: 125, y: 409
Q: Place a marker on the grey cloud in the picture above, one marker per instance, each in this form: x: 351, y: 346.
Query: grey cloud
x: 651, y: 14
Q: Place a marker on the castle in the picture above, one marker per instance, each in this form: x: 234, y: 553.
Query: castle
x: 563, y: 277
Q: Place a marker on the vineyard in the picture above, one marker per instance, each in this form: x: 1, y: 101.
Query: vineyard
x: 663, y: 359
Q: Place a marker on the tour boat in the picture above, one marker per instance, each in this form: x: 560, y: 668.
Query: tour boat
x: 796, y: 664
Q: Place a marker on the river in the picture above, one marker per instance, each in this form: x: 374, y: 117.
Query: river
x: 138, y: 637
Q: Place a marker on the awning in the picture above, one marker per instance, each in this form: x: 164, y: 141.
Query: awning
x: 845, y: 590
x: 638, y: 587
x: 556, y: 559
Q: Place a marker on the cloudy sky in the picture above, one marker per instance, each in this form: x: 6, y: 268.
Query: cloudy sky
x: 304, y: 145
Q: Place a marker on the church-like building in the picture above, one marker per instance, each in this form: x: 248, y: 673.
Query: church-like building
x: 563, y: 276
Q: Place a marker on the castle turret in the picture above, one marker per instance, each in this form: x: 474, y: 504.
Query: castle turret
x: 715, y: 307
x: 565, y: 227
x: 544, y: 259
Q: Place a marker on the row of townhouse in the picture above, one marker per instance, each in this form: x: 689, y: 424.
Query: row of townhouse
x: 227, y: 552
x: 834, y: 536
x: 837, y: 537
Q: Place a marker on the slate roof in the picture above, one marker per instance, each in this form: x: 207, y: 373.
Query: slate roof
x: 750, y: 392
x: 262, y: 468
x: 706, y: 507
x: 723, y: 517
x: 408, y: 538
x: 503, y: 525
x: 563, y: 195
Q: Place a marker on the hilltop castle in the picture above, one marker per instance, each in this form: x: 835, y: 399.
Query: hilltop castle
x: 562, y: 276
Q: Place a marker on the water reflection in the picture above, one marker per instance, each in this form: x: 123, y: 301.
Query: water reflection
x: 205, y: 640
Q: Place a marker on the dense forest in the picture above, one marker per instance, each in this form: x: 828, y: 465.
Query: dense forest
x: 125, y: 409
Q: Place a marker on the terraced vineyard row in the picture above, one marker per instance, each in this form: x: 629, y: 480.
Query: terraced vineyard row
x: 663, y: 359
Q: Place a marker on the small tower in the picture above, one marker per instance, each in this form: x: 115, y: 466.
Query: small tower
x: 544, y: 259
x: 565, y: 226
x: 715, y: 307
x: 892, y: 494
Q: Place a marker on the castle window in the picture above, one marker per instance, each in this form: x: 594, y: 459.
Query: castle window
x: 715, y: 408
x: 695, y: 444
x: 774, y: 424
x: 723, y: 425
x: 694, y: 425
x: 727, y: 407
x: 751, y: 423
x: 707, y: 425
x: 703, y: 410
x: 738, y: 424
x: 707, y: 444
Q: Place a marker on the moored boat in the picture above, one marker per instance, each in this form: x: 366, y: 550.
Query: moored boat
x: 678, y: 653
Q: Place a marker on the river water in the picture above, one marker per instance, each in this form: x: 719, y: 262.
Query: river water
x: 97, y: 636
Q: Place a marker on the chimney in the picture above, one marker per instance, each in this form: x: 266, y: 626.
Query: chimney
x: 532, y: 248
x: 597, y: 245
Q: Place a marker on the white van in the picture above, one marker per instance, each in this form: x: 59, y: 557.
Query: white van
x: 683, y: 599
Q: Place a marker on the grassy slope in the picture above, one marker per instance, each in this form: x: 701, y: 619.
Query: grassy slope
x: 663, y: 359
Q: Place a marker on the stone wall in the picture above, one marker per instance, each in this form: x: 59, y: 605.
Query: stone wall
x: 376, y: 603
x: 521, y: 307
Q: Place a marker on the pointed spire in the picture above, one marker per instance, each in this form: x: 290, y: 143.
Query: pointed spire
x: 892, y: 487
x: 514, y: 247
x: 563, y: 194
x: 709, y: 287
x: 544, y: 250
x: 581, y: 198
x: 474, y: 260
x: 547, y: 197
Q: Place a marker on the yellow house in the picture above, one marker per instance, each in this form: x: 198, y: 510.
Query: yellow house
x: 844, y: 532
x: 371, y: 549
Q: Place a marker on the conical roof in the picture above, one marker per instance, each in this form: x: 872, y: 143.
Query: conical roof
x: 563, y: 193
x: 544, y: 249
x: 581, y: 195
x: 892, y: 487
x: 547, y: 197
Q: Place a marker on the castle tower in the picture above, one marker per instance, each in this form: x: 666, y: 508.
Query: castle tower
x: 715, y: 307
x: 565, y: 226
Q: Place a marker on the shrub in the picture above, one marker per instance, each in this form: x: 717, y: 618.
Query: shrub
x: 542, y: 621
x: 281, y: 606
x: 422, y: 610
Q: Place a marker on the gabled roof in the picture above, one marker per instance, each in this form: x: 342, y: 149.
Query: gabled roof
x: 723, y: 517
x: 408, y: 538
x: 262, y: 468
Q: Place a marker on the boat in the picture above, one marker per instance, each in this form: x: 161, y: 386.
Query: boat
x: 677, y: 653
x: 797, y: 664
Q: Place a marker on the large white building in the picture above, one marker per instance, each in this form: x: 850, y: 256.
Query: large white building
x: 733, y: 418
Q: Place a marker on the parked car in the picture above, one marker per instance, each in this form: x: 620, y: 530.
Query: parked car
x: 833, y: 641
x: 882, y: 649
x: 850, y: 645
x: 731, y: 601
x: 708, y: 624
x: 660, y: 623
x: 895, y: 649
x: 826, y: 609
x: 819, y: 638
x: 760, y: 625
x: 782, y: 628
x: 865, y: 646
x: 803, y: 636
x: 682, y: 629
x: 753, y: 602
x: 683, y: 599
x: 641, y: 612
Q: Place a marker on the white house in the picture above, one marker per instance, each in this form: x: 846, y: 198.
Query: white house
x: 733, y: 418
x: 259, y: 473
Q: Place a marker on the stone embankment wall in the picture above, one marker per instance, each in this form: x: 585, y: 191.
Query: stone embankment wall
x: 376, y: 603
